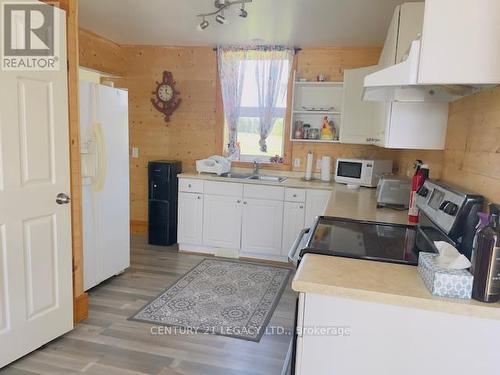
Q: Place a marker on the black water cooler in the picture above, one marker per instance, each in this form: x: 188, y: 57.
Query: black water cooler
x: 162, y: 201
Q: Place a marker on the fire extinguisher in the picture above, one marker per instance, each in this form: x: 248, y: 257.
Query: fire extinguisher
x: 420, y: 175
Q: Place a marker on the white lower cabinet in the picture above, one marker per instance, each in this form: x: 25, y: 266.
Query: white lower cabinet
x: 249, y: 220
x: 190, y: 218
x: 262, y: 227
x: 293, y: 223
x: 222, y: 221
x: 334, y: 333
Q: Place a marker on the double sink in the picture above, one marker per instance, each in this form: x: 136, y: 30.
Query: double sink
x: 255, y: 177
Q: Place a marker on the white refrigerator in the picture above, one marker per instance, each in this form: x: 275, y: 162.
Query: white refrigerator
x: 105, y: 181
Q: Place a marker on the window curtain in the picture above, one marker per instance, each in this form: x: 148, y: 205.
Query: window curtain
x: 231, y: 72
x: 269, y: 75
x: 271, y: 63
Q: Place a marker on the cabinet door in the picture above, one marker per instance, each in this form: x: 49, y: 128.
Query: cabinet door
x: 293, y: 223
x: 316, y: 201
x: 470, y: 32
x: 417, y: 126
x: 357, y: 120
x: 388, y: 55
x: 190, y: 219
x: 262, y: 226
x: 381, y: 120
x: 411, y: 21
x: 222, y: 221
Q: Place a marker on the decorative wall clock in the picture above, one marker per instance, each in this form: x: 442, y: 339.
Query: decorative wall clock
x: 166, y: 97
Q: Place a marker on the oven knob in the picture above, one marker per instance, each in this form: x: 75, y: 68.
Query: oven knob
x: 451, y: 209
x: 443, y: 205
x: 423, y: 191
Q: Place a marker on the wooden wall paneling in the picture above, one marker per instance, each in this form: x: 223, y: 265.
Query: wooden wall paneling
x: 80, y: 300
x: 472, y: 155
x: 100, y: 54
x: 191, y: 133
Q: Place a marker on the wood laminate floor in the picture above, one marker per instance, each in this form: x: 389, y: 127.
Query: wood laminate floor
x: 107, y: 343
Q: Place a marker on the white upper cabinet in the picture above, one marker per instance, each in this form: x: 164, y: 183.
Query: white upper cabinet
x: 460, y: 42
x: 455, y: 53
x: 358, y: 124
x: 393, y: 124
x: 411, y: 19
x: 413, y: 126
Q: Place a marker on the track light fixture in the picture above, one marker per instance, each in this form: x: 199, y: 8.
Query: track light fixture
x: 220, y: 6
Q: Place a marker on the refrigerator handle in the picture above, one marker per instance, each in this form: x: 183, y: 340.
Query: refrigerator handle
x: 101, y: 158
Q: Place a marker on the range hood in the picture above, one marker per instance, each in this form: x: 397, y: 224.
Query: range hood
x: 400, y: 83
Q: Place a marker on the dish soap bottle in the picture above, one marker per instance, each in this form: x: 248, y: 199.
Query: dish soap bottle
x: 486, y: 287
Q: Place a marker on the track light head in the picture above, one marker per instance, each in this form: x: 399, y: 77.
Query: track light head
x: 203, y: 25
x: 221, y: 19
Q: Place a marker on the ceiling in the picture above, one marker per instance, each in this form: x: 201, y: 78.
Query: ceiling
x: 299, y: 23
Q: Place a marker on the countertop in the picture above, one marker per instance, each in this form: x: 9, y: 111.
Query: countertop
x: 379, y: 282
x: 365, y: 280
x: 360, y: 204
x: 290, y: 182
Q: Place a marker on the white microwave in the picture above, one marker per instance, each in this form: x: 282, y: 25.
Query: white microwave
x: 361, y: 172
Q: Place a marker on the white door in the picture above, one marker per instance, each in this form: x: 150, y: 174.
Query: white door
x: 190, y: 218
x: 222, y: 221
x: 36, y: 303
x: 293, y: 223
x: 357, y: 120
x: 262, y: 227
x: 316, y: 201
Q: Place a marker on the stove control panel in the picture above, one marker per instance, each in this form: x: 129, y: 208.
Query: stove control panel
x: 441, y: 204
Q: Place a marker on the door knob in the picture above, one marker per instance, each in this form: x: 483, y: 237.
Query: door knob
x: 62, y: 198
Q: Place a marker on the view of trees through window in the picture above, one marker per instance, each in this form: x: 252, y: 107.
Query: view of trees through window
x: 248, y: 137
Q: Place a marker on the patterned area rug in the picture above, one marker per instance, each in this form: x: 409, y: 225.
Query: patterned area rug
x: 222, y: 297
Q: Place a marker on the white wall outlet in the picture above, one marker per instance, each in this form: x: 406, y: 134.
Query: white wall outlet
x: 296, y: 163
x: 135, y: 152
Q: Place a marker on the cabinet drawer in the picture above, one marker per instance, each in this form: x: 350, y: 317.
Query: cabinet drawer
x: 295, y: 195
x: 190, y: 185
x: 223, y: 188
x: 275, y: 193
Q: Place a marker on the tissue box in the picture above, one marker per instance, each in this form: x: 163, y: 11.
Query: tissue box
x: 444, y: 282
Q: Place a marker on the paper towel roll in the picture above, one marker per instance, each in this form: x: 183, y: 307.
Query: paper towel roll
x: 325, y: 168
x: 309, y: 166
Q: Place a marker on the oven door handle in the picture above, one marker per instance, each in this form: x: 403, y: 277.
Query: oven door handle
x: 294, y: 249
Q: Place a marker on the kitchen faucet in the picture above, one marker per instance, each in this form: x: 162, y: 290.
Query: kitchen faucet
x: 256, y: 167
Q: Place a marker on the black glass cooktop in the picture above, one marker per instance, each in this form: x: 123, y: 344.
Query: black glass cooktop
x: 363, y: 239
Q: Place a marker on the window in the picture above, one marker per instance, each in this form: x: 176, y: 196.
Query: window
x: 259, y: 115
